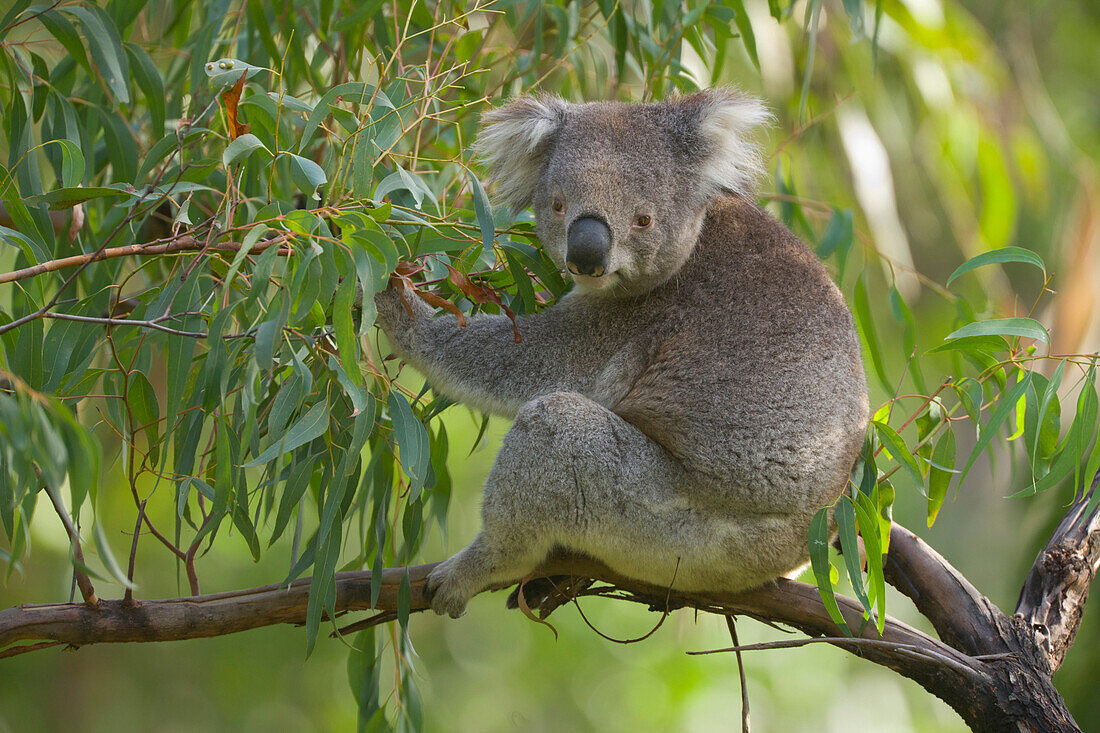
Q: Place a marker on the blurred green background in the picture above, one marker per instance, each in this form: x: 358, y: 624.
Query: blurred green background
x: 977, y: 126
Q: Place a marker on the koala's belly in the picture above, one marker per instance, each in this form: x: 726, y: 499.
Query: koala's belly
x: 754, y: 441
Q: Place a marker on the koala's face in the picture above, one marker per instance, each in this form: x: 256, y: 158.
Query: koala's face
x: 619, y: 190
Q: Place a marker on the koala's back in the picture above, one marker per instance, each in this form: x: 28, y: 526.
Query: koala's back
x: 755, y: 382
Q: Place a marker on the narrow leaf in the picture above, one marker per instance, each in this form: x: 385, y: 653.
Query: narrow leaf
x: 898, y: 450
x: 997, y: 256
x: 1025, y: 327
x: 309, y: 426
x: 939, y: 473
x: 819, y: 561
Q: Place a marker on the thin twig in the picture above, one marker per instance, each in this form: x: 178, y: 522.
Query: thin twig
x: 17, y: 650
x: 153, y: 324
x: 856, y: 642
x: 128, y: 596
x: 87, y: 592
x: 732, y: 626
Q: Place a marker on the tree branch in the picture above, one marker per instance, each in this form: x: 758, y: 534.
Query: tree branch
x: 992, y: 669
x: 960, y: 614
x: 1054, y: 593
x: 902, y: 648
x: 182, y: 244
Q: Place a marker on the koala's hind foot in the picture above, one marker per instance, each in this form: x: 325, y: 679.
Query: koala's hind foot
x: 453, y: 582
x: 570, y: 473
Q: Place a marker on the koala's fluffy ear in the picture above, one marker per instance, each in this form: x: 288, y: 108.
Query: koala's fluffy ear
x: 725, y: 122
x: 513, y: 143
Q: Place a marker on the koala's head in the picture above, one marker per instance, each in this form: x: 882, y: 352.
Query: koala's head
x: 620, y: 190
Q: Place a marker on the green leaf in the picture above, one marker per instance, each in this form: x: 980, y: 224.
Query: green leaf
x: 142, y: 401
x: 1006, y: 404
x: 309, y: 426
x: 898, y: 450
x: 243, y: 147
x: 854, y: 9
x: 838, y: 232
x: 845, y: 516
x: 107, y: 50
x: 866, y: 328
x: 222, y: 72
x: 72, y: 163
x: 939, y: 473
x: 1081, y: 435
x: 997, y: 256
x: 352, y: 91
x: 819, y: 561
x: 872, y: 531
x: 307, y: 174
x: 66, y: 34
x: 970, y: 396
x: 484, y: 212
x: 412, y: 441
x: 148, y: 78
x: 748, y: 37
x: 1050, y: 395
x: 400, y: 180
x: 66, y: 198
x: 346, y: 343
x: 975, y: 344
x: 364, y: 676
x: 108, y: 557
x: 1025, y: 327
x: 322, y: 588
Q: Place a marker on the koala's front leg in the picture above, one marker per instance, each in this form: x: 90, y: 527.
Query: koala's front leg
x: 574, y: 474
x: 480, y: 363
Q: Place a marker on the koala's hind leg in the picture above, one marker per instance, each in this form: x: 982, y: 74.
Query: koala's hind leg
x: 570, y: 473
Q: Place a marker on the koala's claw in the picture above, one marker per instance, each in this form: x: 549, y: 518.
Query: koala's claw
x: 445, y: 591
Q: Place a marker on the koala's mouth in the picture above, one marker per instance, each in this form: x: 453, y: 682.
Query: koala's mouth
x: 596, y: 284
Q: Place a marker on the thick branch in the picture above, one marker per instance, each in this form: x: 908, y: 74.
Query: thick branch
x: 993, y: 670
x: 794, y: 604
x: 1053, y: 597
x: 990, y: 694
x: 961, y: 615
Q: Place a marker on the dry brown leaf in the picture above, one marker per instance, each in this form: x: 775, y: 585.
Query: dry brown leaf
x: 231, y: 97
x: 437, y: 301
x: 481, y: 294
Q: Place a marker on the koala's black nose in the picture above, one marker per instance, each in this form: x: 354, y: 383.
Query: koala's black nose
x: 589, y: 245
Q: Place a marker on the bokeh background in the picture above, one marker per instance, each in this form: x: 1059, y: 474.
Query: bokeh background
x: 964, y: 126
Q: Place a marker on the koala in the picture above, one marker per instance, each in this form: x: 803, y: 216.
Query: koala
x: 684, y: 411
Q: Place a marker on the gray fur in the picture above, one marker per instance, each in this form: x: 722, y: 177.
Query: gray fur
x: 683, y: 416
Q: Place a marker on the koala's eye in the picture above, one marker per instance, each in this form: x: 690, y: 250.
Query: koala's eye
x: 559, y: 206
x: 642, y: 221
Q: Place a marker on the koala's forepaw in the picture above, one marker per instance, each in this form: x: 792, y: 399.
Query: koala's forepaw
x: 446, y: 591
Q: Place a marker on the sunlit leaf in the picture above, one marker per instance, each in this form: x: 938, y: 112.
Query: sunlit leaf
x: 998, y: 256
x: 898, y: 450
x: 940, y: 471
x: 1025, y: 327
